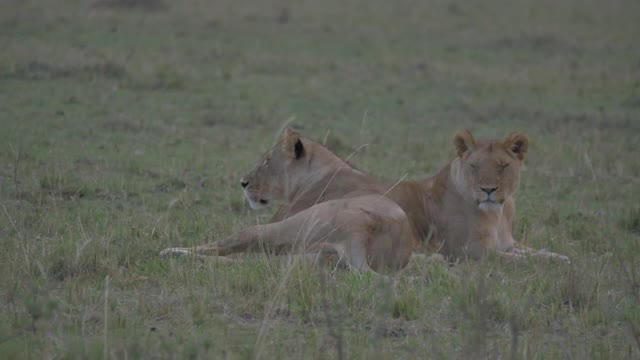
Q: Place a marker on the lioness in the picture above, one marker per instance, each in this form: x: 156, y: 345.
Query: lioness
x: 359, y: 227
x: 466, y: 209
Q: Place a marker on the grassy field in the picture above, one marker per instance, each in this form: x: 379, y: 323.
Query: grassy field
x: 127, y: 124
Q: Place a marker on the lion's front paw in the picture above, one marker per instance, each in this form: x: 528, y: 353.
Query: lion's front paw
x: 551, y: 255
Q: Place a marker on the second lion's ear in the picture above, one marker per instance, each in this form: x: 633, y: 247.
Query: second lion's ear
x: 292, y: 144
x: 518, y: 144
x: 463, y: 140
x: 298, y: 149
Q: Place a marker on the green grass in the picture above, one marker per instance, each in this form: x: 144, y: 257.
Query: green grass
x: 126, y: 125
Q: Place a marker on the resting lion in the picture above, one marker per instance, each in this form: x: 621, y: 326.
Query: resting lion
x: 352, y: 223
x: 467, y: 208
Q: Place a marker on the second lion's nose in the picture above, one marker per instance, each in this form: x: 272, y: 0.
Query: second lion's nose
x: 489, y: 190
x: 244, y: 183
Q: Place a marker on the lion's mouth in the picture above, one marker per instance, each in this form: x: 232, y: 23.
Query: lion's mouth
x: 488, y: 201
x: 489, y: 205
x: 256, y: 202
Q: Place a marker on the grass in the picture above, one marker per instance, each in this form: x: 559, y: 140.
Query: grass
x: 126, y: 125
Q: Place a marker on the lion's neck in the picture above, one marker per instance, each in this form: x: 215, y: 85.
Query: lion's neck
x: 328, y: 177
x: 456, y: 177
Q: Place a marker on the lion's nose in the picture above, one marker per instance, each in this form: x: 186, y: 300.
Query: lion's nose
x: 244, y: 183
x: 489, y: 190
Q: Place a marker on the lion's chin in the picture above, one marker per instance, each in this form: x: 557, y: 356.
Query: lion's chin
x: 256, y: 204
x: 490, y: 206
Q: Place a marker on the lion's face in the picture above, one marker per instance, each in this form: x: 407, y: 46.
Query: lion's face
x: 489, y: 171
x: 266, y: 181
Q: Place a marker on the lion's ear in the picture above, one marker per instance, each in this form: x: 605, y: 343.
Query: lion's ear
x: 292, y: 144
x: 463, y: 140
x: 518, y: 144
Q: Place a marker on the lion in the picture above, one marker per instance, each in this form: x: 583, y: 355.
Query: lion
x: 467, y: 208
x: 331, y: 212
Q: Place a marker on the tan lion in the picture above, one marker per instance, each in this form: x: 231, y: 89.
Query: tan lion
x: 352, y: 223
x: 467, y: 208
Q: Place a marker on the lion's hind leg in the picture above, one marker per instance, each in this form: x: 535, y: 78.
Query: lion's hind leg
x: 391, y: 240
x: 327, y: 257
x: 193, y: 252
x: 379, y: 244
x: 251, y: 239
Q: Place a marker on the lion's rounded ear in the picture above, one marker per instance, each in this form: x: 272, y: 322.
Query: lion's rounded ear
x: 292, y: 143
x: 463, y: 140
x: 518, y: 144
x: 288, y: 133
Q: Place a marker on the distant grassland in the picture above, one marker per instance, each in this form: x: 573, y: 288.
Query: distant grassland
x: 125, y: 126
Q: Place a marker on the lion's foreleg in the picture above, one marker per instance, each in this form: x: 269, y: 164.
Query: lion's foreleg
x: 521, y: 251
x: 544, y: 253
x: 510, y: 255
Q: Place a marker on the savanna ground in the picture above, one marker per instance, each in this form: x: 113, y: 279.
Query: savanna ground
x: 127, y: 124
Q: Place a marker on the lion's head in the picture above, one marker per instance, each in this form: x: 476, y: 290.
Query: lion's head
x: 269, y: 179
x: 488, y: 171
